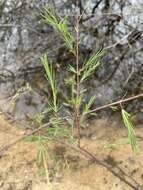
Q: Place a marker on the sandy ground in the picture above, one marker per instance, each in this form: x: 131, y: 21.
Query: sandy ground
x: 19, y: 170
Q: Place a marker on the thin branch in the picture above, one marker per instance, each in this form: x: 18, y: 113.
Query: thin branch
x: 6, y: 147
x: 77, y: 114
x: 116, y: 103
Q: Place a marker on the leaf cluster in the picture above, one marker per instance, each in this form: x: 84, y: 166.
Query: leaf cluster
x: 131, y: 135
x: 50, y: 75
x: 91, y: 65
x: 61, y: 26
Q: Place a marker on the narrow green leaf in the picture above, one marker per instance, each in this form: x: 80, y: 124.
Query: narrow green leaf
x: 72, y: 69
x: 50, y: 75
x: 89, y: 104
x: 61, y: 26
x: 131, y: 135
x: 91, y: 65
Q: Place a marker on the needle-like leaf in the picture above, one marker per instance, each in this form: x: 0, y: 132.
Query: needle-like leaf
x: 131, y: 136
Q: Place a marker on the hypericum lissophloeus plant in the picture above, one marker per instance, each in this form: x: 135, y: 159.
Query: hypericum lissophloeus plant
x: 79, y: 73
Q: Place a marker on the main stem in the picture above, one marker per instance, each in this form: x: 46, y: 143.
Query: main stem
x: 77, y: 116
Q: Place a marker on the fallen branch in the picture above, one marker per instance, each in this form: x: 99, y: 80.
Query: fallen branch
x: 81, y: 150
x: 94, y: 159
